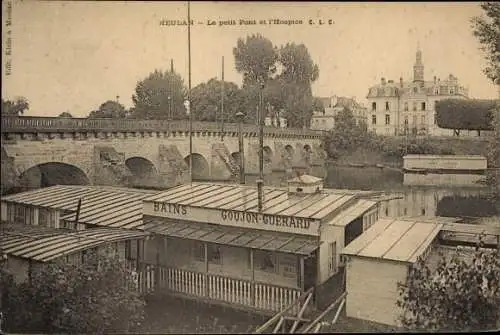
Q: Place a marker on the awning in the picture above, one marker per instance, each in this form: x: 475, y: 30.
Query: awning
x: 237, y: 237
x: 44, y: 244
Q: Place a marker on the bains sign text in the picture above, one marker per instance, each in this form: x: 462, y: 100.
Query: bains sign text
x: 272, y: 220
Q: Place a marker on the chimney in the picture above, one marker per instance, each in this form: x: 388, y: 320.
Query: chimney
x: 401, y: 82
x: 383, y: 81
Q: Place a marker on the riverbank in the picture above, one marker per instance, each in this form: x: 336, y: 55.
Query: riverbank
x: 389, y: 151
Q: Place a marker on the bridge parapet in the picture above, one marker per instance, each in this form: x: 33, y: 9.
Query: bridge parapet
x: 34, y: 124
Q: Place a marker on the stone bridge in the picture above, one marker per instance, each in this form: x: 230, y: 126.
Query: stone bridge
x: 38, y: 151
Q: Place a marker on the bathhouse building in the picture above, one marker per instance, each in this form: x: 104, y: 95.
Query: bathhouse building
x: 211, y: 242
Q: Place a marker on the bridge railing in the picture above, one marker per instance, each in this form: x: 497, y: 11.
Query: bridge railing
x: 57, y: 124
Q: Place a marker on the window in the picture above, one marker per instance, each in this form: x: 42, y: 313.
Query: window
x: 406, y: 106
x: 406, y: 121
x: 436, y: 91
x: 374, y: 119
x: 289, y: 265
x: 374, y: 106
x: 435, y: 104
x: 199, y: 251
x: 423, y: 106
x: 20, y: 213
x: 405, y: 211
x: 264, y: 260
x: 423, y: 211
x: 11, y: 212
x: 387, y: 106
x: 435, y: 118
x: 43, y: 217
x: 422, y: 119
x: 332, y: 257
x: 414, y: 105
x: 387, y: 119
x: 452, y: 90
x: 415, y: 89
x: 414, y: 119
x: 214, y: 254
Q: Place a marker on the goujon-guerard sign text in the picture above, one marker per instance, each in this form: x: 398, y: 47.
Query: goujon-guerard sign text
x: 290, y: 224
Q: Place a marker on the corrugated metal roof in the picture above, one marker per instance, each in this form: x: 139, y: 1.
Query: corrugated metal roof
x: 394, y: 239
x: 101, y: 205
x: 244, y: 198
x: 238, y: 237
x: 351, y: 213
x: 44, y: 244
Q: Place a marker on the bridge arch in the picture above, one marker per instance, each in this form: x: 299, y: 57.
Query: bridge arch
x: 201, y: 168
x: 50, y: 174
x: 289, y: 150
x: 141, y: 167
x: 267, y: 153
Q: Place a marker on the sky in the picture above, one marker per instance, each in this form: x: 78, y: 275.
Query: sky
x: 73, y: 56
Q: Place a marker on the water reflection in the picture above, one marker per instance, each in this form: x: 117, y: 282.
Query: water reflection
x: 447, y: 198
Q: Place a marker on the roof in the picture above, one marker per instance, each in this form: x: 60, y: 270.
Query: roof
x: 244, y: 198
x: 452, y: 157
x: 101, y: 205
x: 238, y: 237
x: 44, y: 244
x: 351, y: 213
x: 394, y: 239
x: 305, y: 179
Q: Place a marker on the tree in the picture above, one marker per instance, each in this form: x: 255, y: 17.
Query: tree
x: 255, y: 58
x: 460, y: 114
x: 96, y: 297
x: 487, y: 29
x: 318, y: 106
x: 298, y: 74
x: 160, y: 94
x: 346, y: 134
x: 109, y: 110
x: 16, y: 107
x: 206, y: 100
x: 460, y: 295
x: 65, y: 114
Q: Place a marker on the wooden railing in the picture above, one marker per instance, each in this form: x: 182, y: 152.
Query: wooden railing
x: 56, y: 124
x: 241, y: 292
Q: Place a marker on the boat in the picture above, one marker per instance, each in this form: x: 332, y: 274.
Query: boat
x: 358, y: 165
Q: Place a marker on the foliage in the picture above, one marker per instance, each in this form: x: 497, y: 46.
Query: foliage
x: 346, y: 135
x: 318, y: 106
x: 465, y: 114
x: 487, y: 29
x: 158, y: 95
x: 258, y: 60
x: 65, y: 114
x: 298, y: 74
x: 255, y: 58
x: 493, y: 157
x: 16, y: 107
x: 460, y: 295
x: 206, y: 99
x: 109, y: 110
x: 97, y: 297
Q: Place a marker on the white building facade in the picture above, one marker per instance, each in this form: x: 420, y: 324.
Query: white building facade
x: 408, y: 107
x: 332, y: 106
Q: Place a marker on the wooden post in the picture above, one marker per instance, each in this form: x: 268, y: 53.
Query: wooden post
x: 252, y: 283
x: 207, y: 287
x: 157, y: 269
x: 302, y: 279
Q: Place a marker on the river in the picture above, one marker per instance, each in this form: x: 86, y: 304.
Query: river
x: 451, y: 201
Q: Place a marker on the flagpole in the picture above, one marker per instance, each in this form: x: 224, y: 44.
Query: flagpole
x: 189, y: 98
x: 222, y: 101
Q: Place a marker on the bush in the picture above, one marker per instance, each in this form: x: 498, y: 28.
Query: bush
x: 97, y: 297
x: 465, y: 114
x: 458, y: 296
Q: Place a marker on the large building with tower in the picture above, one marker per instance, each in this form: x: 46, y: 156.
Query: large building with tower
x: 408, y: 107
